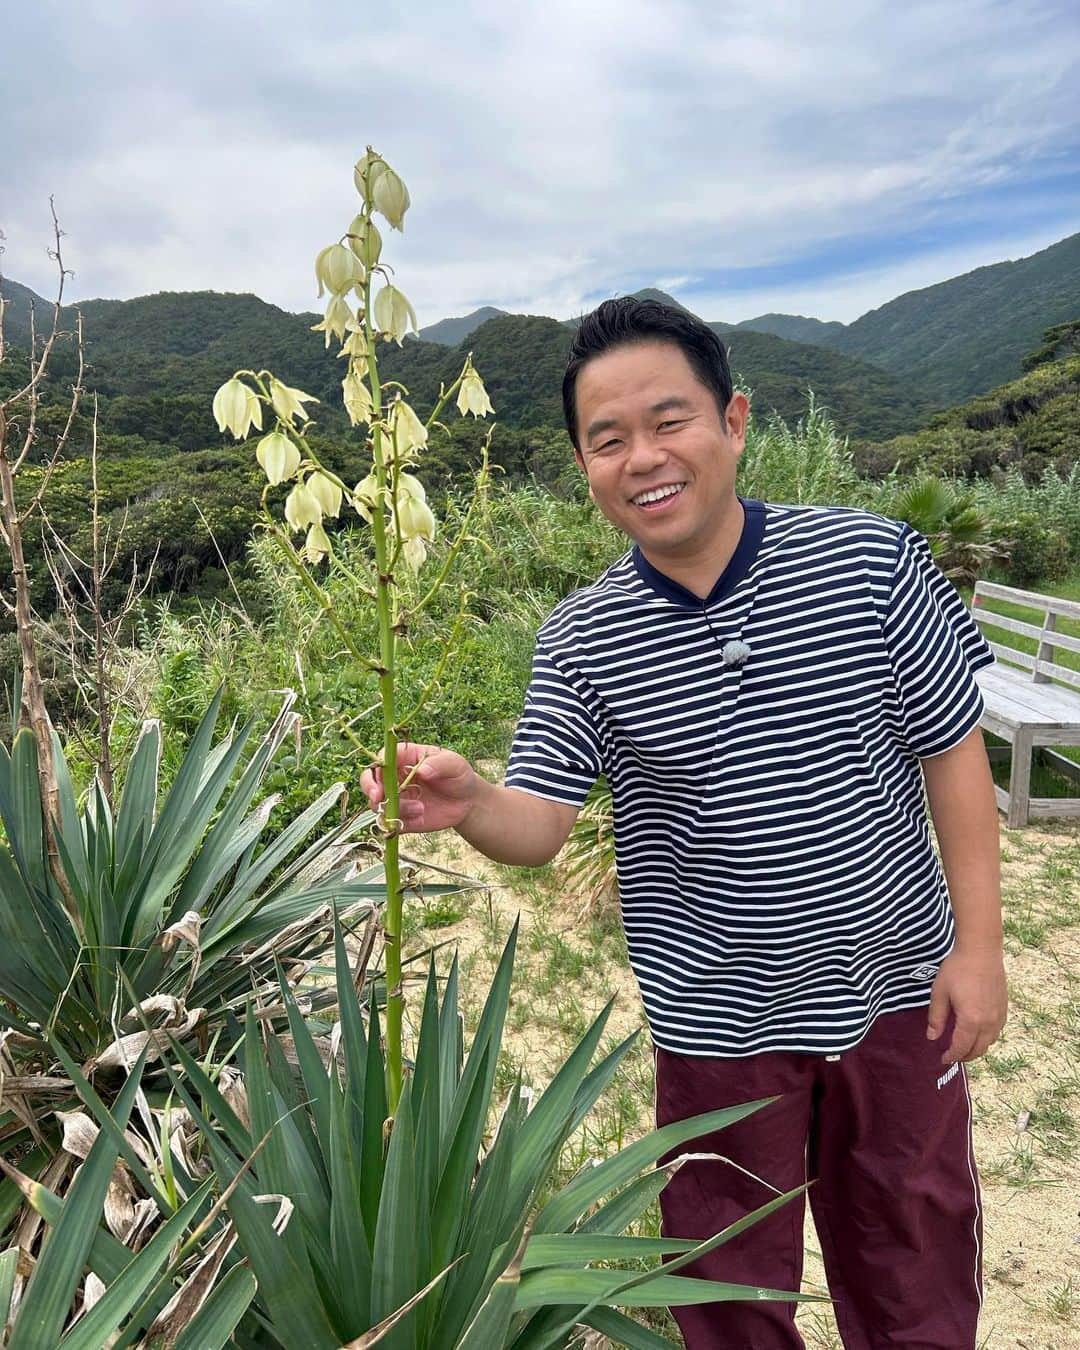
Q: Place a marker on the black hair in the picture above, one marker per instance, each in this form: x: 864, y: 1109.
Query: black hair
x: 627, y: 321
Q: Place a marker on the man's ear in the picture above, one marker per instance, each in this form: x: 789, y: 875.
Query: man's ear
x: 581, y: 465
x: 737, y: 416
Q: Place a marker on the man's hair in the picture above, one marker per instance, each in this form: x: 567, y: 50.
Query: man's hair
x: 627, y: 321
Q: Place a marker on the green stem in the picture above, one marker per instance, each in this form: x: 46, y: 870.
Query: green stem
x: 387, y: 619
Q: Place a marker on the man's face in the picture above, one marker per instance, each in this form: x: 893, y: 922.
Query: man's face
x: 659, y: 459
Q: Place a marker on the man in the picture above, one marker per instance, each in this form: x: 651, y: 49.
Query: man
x: 768, y: 689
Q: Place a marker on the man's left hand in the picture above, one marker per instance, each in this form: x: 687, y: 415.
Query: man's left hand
x: 973, y: 988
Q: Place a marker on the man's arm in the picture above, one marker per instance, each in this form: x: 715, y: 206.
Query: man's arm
x: 971, y: 981
x: 445, y: 792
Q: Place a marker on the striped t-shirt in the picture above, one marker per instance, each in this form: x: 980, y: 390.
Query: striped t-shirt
x: 778, y: 885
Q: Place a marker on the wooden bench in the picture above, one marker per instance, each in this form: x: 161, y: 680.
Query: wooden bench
x: 1031, y: 701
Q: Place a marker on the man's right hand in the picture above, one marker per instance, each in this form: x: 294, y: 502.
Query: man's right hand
x: 441, y: 791
x: 446, y: 792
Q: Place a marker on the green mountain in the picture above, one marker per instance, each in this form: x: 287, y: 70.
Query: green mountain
x: 962, y: 336
x: 796, y: 328
x: 1031, y: 423
x: 863, y: 400
x: 155, y: 362
x: 452, y: 331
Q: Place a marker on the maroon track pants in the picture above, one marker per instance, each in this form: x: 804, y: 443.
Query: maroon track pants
x: 884, y: 1132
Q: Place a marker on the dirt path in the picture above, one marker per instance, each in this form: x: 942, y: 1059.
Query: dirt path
x: 1026, y: 1092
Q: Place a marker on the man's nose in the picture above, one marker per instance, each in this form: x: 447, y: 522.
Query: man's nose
x: 646, y: 453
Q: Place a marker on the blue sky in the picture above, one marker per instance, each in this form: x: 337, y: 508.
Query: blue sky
x: 752, y: 156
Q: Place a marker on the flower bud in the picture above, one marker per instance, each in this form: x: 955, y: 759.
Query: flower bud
x: 316, y: 545
x: 357, y: 397
x: 278, y: 456
x: 338, y: 269
x: 408, y: 431
x: 414, y: 551
x: 393, y: 313
x: 365, y: 495
x: 366, y: 172
x: 365, y: 241
x: 338, y: 321
x: 390, y: 197
x: 472, y: 396
x: 289, y: 403
x: 302, y: 508
x: 237, y: 408
x: 326, y: 492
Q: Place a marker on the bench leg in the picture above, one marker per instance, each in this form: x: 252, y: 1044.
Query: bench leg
x: 1019, y: 780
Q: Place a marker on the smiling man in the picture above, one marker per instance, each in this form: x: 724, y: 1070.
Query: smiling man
x: 769, y: 689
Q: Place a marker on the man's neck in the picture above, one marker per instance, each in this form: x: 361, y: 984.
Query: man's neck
x: 700, y: 569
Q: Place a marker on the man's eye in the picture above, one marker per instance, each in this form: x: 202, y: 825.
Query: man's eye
x: 676, y: 422
x: 606, y: 445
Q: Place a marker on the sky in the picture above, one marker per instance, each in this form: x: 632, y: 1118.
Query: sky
x: 746, y: 156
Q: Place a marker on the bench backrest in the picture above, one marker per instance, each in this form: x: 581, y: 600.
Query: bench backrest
x: 1043, y: 665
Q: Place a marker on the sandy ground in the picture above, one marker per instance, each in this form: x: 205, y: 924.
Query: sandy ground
x: 1026, y: 1093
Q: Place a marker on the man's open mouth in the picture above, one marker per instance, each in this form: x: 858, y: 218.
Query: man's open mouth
x: 656, y: 495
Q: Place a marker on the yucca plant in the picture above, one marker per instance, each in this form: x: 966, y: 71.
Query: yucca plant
x: 157, y: 1295
x: 181, y: 907
x: 432, y: 1241
x: 177, y: 911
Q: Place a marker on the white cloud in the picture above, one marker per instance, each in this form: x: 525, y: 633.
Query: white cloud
x: 553, y: 152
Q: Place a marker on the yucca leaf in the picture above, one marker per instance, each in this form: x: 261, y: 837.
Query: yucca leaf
x: 313, y: 1071
x: 22, y: 812
x: 213, y: 1325
x: 376, y: 1109
x: 450, y: 1058
x: 9, y: 1265
x: 227, y: 838
x: 579, y: 1249
x: 394, y: 1271
x: 488, y: 1036
x: 349, y: 1247
x: 551, y: 1119
x: 69, y: 837
x: 237, y: 1132
x: 591, y: 1184
x: 487, y: 1226
x: 543, y: 1288
x: 448, y: 1209
x: 138, y: 800
x: 661, y: 1282
x: 628, y: 1205
x: 94, y: 1328
x: 622, y: 1331
x: 490, y: 1325
x: 48, y: 1297
x: 279, y: 1260
x: 232, y: 910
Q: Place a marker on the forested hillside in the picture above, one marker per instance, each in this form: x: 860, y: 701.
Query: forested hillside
x: 1030, y: 424
x: 962, y: 336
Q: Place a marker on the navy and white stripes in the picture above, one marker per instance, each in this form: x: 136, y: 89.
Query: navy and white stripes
x: 778, y: 884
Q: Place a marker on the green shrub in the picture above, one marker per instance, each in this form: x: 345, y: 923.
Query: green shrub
x: 1036, y: 550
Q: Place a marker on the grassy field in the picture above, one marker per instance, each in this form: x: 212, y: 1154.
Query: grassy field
x: 1026, y: 1091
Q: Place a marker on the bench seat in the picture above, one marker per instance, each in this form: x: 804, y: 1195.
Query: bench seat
x: 1030, y: 700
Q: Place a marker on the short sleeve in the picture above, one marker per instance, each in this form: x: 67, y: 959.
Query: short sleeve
x: 935, y: 648
x: 556, y: 749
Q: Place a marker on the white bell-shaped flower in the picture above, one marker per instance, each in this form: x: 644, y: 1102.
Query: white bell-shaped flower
x: 237, y: 408
x: 278, y: 456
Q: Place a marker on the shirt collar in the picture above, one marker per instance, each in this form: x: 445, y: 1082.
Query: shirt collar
x: 741, y: 561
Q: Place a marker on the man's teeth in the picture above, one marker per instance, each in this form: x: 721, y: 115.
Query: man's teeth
x: 658, y: 494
